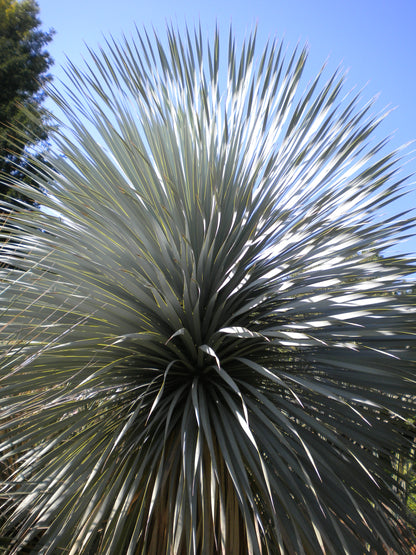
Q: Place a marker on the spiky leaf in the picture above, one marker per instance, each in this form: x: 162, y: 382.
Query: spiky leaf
x: 202, y: 349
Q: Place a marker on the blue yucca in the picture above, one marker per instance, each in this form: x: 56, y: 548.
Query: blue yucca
x: 203, y: 349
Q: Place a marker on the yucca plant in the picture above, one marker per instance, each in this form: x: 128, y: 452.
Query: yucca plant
x: 205, y: 347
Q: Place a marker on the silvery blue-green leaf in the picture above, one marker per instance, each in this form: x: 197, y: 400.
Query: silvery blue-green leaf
x: 206, y: 345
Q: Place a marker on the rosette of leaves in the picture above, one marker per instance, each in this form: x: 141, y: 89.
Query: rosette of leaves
x: 203, y: 348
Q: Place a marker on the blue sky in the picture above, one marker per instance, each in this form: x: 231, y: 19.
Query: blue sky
x: 375, y: 40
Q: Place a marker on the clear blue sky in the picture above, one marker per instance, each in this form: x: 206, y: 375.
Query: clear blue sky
x: 375, y: 40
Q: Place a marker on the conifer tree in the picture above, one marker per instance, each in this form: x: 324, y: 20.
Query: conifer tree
x: 24, y: 65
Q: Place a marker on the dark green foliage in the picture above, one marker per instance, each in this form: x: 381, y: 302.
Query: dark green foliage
x: 24, y: 65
